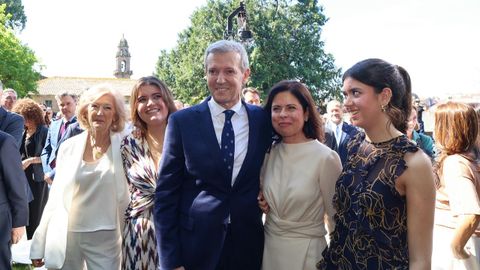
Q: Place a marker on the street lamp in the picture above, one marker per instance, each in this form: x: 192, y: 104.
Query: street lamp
x: 243, y: 32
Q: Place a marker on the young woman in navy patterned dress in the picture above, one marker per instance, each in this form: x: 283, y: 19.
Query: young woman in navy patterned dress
x: 385, y: 195
x: 151, y: 103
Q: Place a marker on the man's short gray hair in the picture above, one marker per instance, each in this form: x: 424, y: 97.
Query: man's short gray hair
x: 225, y: 46
x: 10, y: 90
x: 66, y: 94
x: 334, y: 103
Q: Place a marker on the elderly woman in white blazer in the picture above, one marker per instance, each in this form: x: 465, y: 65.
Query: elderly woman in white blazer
x: 83, y: 218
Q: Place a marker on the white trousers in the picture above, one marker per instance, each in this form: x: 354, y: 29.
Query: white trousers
x: 99, y: 250
x: 442, y: 257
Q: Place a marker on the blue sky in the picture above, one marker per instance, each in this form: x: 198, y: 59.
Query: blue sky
x: 437, y: 41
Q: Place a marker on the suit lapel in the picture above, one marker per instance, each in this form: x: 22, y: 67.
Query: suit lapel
x: 67, y: 134
x: 344, y: 133
x: 55, y: 128
x: 68, y: 131
x: 115, y: 139
x: 75, y: 156
x: 206, y: 128
x: 3, y: 114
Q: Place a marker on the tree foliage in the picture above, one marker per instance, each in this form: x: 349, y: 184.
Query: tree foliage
x: 17, y: 61
x: 15, y: 8
x: 286, y: 45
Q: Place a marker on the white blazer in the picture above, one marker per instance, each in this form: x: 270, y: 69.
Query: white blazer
x: 50, y: 238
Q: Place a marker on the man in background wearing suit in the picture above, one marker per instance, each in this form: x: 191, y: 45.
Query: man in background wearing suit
x: 13, y: 198
x: 11, y: 123
x: 58, y: 132
x: 206, y: 210
x: 343, y: 131
x: 9, y: 98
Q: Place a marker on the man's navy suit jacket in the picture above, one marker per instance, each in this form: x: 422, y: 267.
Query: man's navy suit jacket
x: 348, y: 132
x: 194, y: 198
x: 12, y: 124
x: 13, y: 195
x: 50, y: 150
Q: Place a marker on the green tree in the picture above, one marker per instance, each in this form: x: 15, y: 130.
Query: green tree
x: 18, y: 19
x: 286, y: 45
x: 17, y: 61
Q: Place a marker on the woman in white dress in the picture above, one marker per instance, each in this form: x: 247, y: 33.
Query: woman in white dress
x: 298, y: 181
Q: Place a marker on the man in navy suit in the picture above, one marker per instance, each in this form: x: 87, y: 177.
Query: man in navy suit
x: 206, y: 211
x: 343, y: 131
x: 13, y: 198
x: 58, y: 132
x: 11, y: 123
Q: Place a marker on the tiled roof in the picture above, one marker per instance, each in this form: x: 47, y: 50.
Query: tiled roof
x: 55, y: 85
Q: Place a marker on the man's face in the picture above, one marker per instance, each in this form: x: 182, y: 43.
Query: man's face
x: 335, y: 114
x: 252, y: 98
x: 67, y: 106
x: 8, y: 100
x: 225, y: 78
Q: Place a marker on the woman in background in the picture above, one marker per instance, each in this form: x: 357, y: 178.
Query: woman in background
x: 423, y: 141
x: 385, y: 196
x: 457, y: 215
x: 151, y: 102
x: 33, y: 142
x: 298, y: 181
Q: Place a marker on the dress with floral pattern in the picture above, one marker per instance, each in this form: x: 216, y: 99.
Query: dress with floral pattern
x: 371, y: 219
x: 139, y: 240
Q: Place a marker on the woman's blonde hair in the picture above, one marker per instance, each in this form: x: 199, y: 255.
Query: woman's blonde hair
x: 93, y: 94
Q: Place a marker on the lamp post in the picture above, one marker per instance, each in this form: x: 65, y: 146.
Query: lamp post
x: 244, y: 34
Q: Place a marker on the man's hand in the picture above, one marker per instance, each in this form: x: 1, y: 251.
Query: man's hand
x: 262, y: 203
x: 47, y: 179
x: 37, y: 262
x: 17, y: 234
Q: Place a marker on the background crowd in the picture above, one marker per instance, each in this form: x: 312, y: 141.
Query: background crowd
x: 160, y: 185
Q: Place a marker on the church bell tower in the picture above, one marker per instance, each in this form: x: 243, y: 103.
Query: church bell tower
x: 123, y: 60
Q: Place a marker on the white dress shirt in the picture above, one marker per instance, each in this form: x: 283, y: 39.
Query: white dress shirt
x: 337, y: 130
x: 240, y: 127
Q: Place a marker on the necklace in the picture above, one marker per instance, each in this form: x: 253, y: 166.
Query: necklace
x: 154, y: 145
x: 97, y: 150
x: 97, y: 154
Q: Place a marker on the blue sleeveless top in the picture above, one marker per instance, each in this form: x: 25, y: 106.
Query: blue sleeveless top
x: 371, y: 219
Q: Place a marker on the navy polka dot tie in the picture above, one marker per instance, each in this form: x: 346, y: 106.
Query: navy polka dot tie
x: 228, y: 142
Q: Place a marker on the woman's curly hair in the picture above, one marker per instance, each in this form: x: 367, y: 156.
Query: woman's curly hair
x: 30, y: 110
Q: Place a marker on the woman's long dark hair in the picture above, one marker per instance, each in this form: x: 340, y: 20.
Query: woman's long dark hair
x: 380, y: 74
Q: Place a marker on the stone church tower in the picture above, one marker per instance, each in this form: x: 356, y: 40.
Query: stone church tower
x: 123, y: 60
